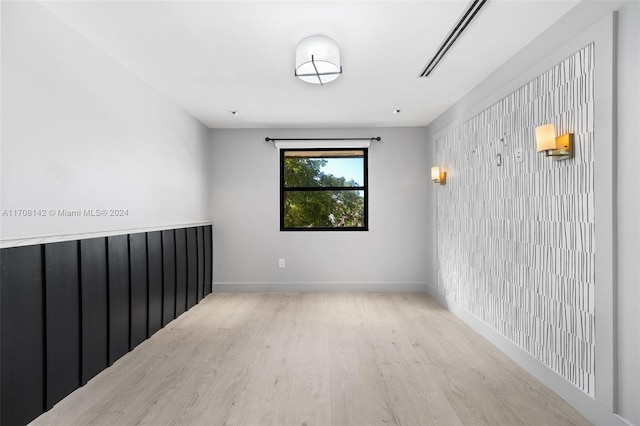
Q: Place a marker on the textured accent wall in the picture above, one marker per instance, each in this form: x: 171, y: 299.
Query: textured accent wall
x: 516, y: 238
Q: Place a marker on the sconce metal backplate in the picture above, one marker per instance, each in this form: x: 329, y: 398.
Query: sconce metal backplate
x: 564, y: 150
x: 442, y: 179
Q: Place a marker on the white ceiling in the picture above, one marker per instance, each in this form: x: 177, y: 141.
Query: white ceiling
x: 213, y: 57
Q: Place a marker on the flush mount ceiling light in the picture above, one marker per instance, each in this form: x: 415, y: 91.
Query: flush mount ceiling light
x: 318, y: 60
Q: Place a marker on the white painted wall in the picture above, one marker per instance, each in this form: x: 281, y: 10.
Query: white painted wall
x: 628, y: 176
x: 79, y: 131
x: 247, y: 237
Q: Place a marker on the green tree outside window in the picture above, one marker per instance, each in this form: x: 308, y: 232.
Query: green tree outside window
x: 313, y: 198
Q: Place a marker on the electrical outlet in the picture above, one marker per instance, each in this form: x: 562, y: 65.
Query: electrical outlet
x: 280, y: 263
x: 517, y: 153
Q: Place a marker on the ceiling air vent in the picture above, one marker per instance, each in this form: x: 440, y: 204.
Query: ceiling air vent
x: 470, y: 12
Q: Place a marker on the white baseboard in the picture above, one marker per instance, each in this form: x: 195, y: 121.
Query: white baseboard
x: 587, y: 406
x: 318, y: 287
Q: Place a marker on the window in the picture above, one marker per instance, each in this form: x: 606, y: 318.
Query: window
x: 323, y: 190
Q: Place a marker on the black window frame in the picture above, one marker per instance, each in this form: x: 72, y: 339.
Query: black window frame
x: 364, y: 188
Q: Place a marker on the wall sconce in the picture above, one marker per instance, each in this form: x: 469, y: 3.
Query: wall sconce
x: 560, y: 148
x: 438, y: 176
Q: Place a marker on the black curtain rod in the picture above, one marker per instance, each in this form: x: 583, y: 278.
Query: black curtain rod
x: 377, y: 138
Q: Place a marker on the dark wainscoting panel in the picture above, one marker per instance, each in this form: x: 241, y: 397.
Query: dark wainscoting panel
x: 70, y: 309
x: 154, y: 275
x: 201, y: 286
x: 22, y: 335
x: 62, y: 316
x: 208, y: 259
x: 138, y: 289
x: 181, y: 271
x: 93, y: 278
x: 118, y: 258
x: 168, y: 276
x: 192, y: 267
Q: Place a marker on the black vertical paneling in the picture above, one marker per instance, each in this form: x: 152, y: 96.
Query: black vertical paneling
x: 138, y: 268
x: 200, y: 262
x: 181, y: 271
x: 70, y: 309
x: 21, y: 335
x: 168, y: 277
x: 94, y: 313
x: 62, y: 314
x: 208, y: 260
x: 192, y: 267
x: 118, y: 256
x: 154, y: 273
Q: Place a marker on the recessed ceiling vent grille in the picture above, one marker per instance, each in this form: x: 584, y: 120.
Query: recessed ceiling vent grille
x: 464, y: 21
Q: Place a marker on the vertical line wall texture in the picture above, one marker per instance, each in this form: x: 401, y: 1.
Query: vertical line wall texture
x: 516, y: 241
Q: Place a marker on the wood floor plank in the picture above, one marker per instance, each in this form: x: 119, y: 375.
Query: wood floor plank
x: 314, y: 359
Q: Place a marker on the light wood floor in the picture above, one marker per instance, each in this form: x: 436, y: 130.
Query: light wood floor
x: 314, y: 359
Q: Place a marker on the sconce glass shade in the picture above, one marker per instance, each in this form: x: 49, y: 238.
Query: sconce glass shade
x: 438, y: 176
x: 560, y: 148
x: 318, y: 60
x: 435, y: 173
x: 546, y: 137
